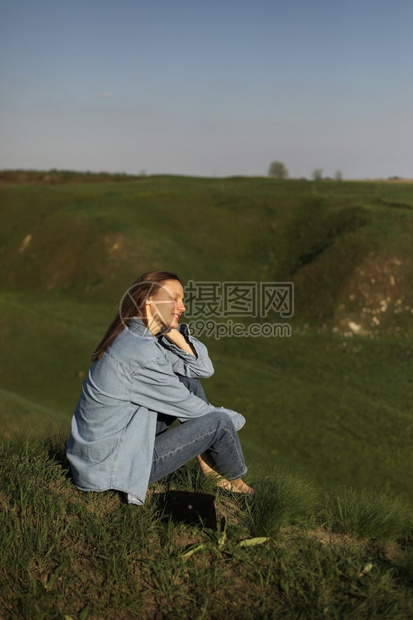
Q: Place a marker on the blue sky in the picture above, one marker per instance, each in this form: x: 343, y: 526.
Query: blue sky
x: 208, y: 87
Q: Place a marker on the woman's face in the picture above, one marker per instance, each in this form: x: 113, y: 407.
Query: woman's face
x: 166, y: 305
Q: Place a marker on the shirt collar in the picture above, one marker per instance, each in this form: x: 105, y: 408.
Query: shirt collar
x: 138, y: 327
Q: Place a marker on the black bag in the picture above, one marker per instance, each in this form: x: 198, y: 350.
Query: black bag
x: 189, y: 507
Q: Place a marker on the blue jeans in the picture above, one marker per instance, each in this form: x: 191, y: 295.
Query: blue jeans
x: 213, y: 433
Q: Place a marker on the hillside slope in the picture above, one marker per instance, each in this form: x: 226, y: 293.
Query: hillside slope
x: 333, y: 399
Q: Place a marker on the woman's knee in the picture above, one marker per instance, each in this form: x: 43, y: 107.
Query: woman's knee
x: 222, y: 420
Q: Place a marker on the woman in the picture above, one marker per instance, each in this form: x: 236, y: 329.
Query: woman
x: 145, y: 375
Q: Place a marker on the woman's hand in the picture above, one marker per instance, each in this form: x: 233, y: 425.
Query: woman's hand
x: 177, y: 338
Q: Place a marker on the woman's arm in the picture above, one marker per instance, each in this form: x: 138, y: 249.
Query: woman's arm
x: 188, y: 356
x: 155, y: 386
x: 177, y: 338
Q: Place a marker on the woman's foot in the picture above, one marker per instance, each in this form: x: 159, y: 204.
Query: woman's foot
x: 236, y: 486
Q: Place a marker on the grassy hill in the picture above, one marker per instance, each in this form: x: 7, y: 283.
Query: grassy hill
x: 333, y: 401
x: 290, y: 552
x: 329, y: 415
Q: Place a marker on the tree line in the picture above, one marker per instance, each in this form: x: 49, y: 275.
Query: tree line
x: 278, y: 170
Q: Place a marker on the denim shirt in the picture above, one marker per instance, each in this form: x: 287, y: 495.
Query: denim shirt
x: 114, y: 425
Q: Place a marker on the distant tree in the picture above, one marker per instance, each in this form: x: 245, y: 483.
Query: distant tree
x: 338, y: 176
x: 317, y: 174
x: 278, y: 170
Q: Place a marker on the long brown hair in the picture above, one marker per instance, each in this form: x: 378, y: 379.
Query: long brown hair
x: 132, y: 305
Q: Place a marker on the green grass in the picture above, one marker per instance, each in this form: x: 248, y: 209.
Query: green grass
x: 67, y: 554
x: 367, y: 514
x: 326, y: 405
